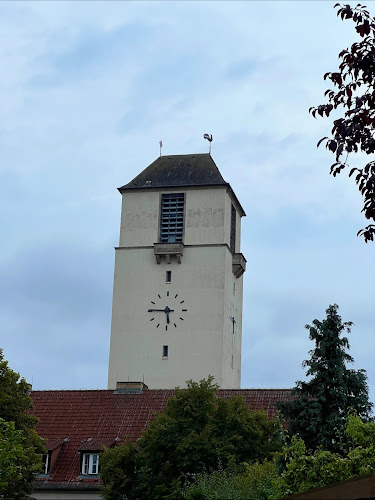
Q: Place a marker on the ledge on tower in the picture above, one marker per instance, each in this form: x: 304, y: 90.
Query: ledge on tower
x: 168, y: 250
x: 238, y: 264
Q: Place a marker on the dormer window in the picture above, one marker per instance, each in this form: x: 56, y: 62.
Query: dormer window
x: 90, y: 463
x: 172, y: 218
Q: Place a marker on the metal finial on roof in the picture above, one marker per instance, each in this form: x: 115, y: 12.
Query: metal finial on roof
x: 210, y: 139
x: 161, y: 145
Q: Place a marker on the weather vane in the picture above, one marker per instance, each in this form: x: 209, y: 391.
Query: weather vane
x: 210, y: 139
x: 161, y: 145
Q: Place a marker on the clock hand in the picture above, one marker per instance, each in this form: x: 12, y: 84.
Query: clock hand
x: 167, y: 311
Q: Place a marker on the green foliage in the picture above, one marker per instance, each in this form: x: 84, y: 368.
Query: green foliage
x: 361, y: 433
x: 118, y: 472
x: 354, y: 92
x: 303, y: 469
x: 252, y: 482
x: 196, y: 432
x: 18, y: 464
x: 21, y: 448
x: 319, y: 412
x: 311, y: 469
x: 14, y: 397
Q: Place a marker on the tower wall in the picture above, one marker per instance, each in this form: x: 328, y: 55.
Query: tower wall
x: 203, y: 294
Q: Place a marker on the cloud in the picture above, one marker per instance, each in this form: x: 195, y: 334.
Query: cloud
x: 56, y: 303
x: 89, y: 89
x: 89, y: 53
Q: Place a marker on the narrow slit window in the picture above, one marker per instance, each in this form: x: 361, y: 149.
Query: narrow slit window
x: 233, y: 230
x: 165, y: 351
x: 168, y: 277
x: 172, y: 218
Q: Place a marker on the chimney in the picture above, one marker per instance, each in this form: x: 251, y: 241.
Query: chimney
x: 130, y: 387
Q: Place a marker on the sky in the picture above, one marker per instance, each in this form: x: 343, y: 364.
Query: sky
x: 87, y: 91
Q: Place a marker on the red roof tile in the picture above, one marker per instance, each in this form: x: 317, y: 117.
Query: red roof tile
x: 90, y: 420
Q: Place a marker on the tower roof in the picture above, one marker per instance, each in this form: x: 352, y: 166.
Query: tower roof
x: 179, y: 171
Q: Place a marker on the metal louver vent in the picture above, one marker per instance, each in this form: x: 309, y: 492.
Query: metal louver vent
x: 172, y: 218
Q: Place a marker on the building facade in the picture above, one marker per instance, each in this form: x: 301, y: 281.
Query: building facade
x: 79, y: 425
x: 177, y: 295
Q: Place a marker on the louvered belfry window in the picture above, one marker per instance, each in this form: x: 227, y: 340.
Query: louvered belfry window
x: 233, y: 230
x: 172, y: 218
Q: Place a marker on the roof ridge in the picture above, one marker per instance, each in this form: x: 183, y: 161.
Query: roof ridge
x: 155, y: 390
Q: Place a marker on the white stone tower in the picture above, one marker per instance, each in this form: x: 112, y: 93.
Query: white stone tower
x: 177, y: 294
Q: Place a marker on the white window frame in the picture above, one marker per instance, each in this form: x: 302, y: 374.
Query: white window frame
x: 90, y: 464
x: 46, y: 459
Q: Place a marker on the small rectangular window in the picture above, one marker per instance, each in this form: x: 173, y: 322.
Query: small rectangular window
x: 90, y: 463
x: 165, y: 351
x: 168, y: 278
x: 233, y: 230
x: 172, y: 218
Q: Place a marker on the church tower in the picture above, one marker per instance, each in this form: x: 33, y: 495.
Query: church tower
x: 177, y: 294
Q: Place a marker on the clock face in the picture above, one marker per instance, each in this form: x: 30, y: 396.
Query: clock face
x: 167, y: 310
x: 232, y: 319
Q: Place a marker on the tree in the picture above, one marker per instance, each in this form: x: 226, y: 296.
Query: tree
x: 17, y: 471
x: 311, y: 469
x: 248, y: 482
x: 355, y: 93
x: 304, y: 469
x: 321, y: 406
x: 21, y: 448
x: 197, y: 432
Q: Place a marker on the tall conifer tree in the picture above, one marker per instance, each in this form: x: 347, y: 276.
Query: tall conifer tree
x: 322, y: 403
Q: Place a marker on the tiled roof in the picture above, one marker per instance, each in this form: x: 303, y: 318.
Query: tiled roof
x: 178, y: 170
x: 90, y: 420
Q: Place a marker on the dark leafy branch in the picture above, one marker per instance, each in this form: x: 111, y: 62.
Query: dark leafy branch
x: 354, y: 91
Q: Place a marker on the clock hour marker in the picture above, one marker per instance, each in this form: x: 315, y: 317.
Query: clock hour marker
x: 152, y: 319
x: 182, y: 301
x: 184, y: 310
x: 176, y: 295
x: 182, y: 319
x: 166, y: 327
x: 157, y: 326
x: 152, y: 302
x: 175, y: 325
x: 159, y: 296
